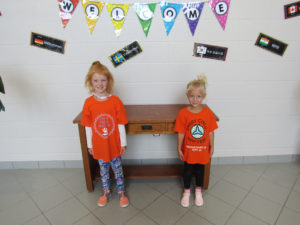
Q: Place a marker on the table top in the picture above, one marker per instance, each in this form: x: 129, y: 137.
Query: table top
x: 150, y: 113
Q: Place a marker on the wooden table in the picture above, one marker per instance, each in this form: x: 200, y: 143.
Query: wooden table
x: 142, y: 119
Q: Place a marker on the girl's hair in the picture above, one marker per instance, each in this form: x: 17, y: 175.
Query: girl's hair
x: 99, y: 68
x: 200, y: 82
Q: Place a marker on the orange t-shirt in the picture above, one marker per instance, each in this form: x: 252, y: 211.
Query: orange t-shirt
x: 196, y: 128
x: 104, y: 117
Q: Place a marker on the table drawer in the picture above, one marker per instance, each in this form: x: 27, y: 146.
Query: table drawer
x: 146, y: 128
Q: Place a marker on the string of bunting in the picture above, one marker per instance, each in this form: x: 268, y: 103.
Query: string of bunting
x: 145, y: 13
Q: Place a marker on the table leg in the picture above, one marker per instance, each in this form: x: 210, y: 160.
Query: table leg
x: 206, y: 175
x: 86, y: 159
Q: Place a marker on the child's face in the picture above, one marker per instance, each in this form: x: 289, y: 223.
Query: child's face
x: 99, y: 83
x: 195, y: 97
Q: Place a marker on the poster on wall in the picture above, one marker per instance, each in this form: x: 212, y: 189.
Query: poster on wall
x: 66, y: 9
x: 2, y: 108
x: 1, y: 86
x: 292, y: 10
x: 48, y: 43
x: 92, y: 11
x: 271, y: 44
x: 125, y: 53
x: 210, y: 51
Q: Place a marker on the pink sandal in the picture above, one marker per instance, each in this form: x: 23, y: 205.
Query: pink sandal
x: 185, y: 200
x: 198, y: 197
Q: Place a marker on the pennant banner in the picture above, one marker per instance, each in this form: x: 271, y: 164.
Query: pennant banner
x: 66, y: 9
x: 220, y: 9
x: 92, y: 11
x: 145, y: 13
x: 169, y: 13
x: 192, y: 12
x: 118, y: 13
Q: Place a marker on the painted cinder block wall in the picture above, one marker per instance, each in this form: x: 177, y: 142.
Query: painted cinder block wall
x: 255, y: 93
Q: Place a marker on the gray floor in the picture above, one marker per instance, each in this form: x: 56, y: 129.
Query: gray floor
x: 238, y: 195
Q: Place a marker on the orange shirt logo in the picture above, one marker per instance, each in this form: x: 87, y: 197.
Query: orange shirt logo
x: 197, y: 131
x: 104, y: 125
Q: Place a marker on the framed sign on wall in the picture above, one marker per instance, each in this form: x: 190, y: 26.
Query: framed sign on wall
x: 47, y: 42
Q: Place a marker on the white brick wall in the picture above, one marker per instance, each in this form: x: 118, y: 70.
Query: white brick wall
x: 255, y: 93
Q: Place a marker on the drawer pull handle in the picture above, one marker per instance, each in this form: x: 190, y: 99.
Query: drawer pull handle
x: 146, y: 127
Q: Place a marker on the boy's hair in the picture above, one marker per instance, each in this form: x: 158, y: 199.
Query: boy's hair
x: 99, y: 68
x: 200, y: 82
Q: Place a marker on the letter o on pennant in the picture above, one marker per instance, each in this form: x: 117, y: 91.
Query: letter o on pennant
x: 169, y: 14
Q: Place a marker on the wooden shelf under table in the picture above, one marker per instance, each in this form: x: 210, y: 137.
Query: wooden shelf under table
x: 142, y: 119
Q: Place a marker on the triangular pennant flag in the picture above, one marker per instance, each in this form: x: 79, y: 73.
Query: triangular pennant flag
x: 92, y: 11
x: 169, y: 13
x: 66, y: 9
x: 220, y: 8
x: 145, y: 13
x: 192, y: 12
x: 118, y: 13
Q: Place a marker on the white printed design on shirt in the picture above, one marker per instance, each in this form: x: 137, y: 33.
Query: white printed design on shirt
x: 104, y: 125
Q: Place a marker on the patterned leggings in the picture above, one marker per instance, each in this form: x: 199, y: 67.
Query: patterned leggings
x: 116, y: 165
